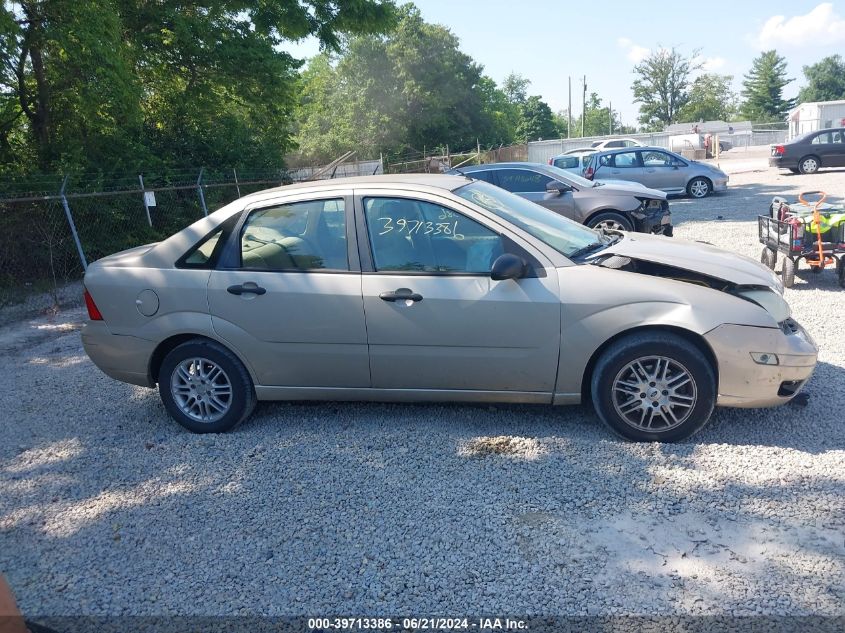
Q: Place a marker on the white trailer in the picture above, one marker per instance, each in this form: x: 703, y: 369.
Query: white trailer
x: 816, y: 115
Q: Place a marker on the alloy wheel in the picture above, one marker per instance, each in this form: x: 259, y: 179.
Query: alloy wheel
x: 610, y: 225
x: 201, y: 389
x: 699, y: 188
x: 654, y: 394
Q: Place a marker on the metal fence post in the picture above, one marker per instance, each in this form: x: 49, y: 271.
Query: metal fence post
x: 73, y: 226
x: 237, y: 186
x: 199, y: 190
x: 144, y: 195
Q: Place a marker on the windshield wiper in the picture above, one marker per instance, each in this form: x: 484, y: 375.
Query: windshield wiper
x: 589, y: 248
x: 597, y: 246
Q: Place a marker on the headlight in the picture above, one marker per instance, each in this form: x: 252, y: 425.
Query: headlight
x: 650, y: 204
x: 767, y: 299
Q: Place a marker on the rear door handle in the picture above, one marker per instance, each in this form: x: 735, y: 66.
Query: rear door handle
x: 247, y: 288
x: 402, y: 294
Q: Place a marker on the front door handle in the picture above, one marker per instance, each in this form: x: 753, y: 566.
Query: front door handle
x: 247, y: 288
x: 402, y: 294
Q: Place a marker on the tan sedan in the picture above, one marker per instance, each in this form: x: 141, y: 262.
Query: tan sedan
x: 439, y: 288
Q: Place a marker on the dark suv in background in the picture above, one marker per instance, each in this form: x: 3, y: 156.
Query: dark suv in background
x: 614, y: 205
x: 809, y: 153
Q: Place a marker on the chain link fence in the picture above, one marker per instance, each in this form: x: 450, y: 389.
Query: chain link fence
x: 51, y: 228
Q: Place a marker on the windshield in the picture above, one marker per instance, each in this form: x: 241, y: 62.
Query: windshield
x: 569, y: 178
x: 565, y: 236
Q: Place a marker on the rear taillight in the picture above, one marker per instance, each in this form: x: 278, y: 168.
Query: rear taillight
x: 588, y: 173
x: 779, y: 150
x: 551, y: 161
x: 93, y: 311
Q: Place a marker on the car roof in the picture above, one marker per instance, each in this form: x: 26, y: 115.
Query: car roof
x: 637, y: 148
x: 438, y: 181
x: 578, y: 152
x: 511, y: 165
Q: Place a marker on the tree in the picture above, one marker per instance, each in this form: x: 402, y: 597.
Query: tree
x: 413, y: 87
x: 762, y: 89
x: 515, y: 88
x: 111, y: 85
x: 825, y: 80
x: 710, y: 99
x: 596, y: 119
x: 536, y: 120
x: 662, y: 86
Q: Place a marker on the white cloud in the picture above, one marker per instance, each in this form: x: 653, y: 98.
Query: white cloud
x: 820, y: 27
x: 712, y: 64
x: 635, y: 52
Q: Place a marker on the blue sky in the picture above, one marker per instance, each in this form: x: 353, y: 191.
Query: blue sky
x: 548, y: 40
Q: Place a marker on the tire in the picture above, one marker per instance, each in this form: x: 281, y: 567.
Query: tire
x: 840, y: 271
x: 614, y: 390
x: 227, y: 397
x: 699, y: 187
x: 769, y: 258
x: 610, y: 220
x: 787, y: 272
x: 808, y: 165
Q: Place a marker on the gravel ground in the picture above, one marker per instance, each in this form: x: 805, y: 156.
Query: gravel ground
x: 108, y: 508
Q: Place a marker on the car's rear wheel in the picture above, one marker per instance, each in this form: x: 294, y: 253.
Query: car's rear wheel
x: 769, y: 258
x: 654, y: 387
x: 205, y: 387
x: 808, y: 165
x: 699, y: 187
x: 610, y: 220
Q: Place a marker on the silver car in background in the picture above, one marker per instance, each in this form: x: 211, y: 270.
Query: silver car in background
x: 618, y: 205
x: 439, y: 288
x: 657, y: 168
x: 574, y: 161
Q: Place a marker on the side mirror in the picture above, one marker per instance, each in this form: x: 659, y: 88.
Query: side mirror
x: 507, y: 266
x: 557, y: 187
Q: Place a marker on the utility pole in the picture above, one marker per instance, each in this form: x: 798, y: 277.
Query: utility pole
x: 584, y: 107
x: 610, y: 116
x: 569, y: 111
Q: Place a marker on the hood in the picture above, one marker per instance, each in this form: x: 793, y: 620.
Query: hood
x: 628, y: 183
x: 625, y: 188
x: 695, y: 257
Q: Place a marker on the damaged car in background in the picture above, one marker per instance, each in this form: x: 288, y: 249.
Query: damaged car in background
x: 411, y: 288
x: 610, y: 204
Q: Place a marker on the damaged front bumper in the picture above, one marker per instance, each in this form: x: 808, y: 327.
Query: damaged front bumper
x: 653, y: 218
x: 762, y: 367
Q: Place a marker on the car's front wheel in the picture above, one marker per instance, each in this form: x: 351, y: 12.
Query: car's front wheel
x: 610, y: 220
x: 205, y: 387
x: 699, y: 188
x: 654, y: 387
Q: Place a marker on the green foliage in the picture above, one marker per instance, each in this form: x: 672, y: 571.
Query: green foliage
x: 825, y: 80
x: 662, y: 86
x: 109, y: 86
x: 710, y: 99
x: 413, y: 87
x: 762, y: 89
x: 536, y: 122
x: 596, y: 119
x: 515, y: 88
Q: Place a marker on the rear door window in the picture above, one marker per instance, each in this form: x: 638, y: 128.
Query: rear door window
x: 625, y: 160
